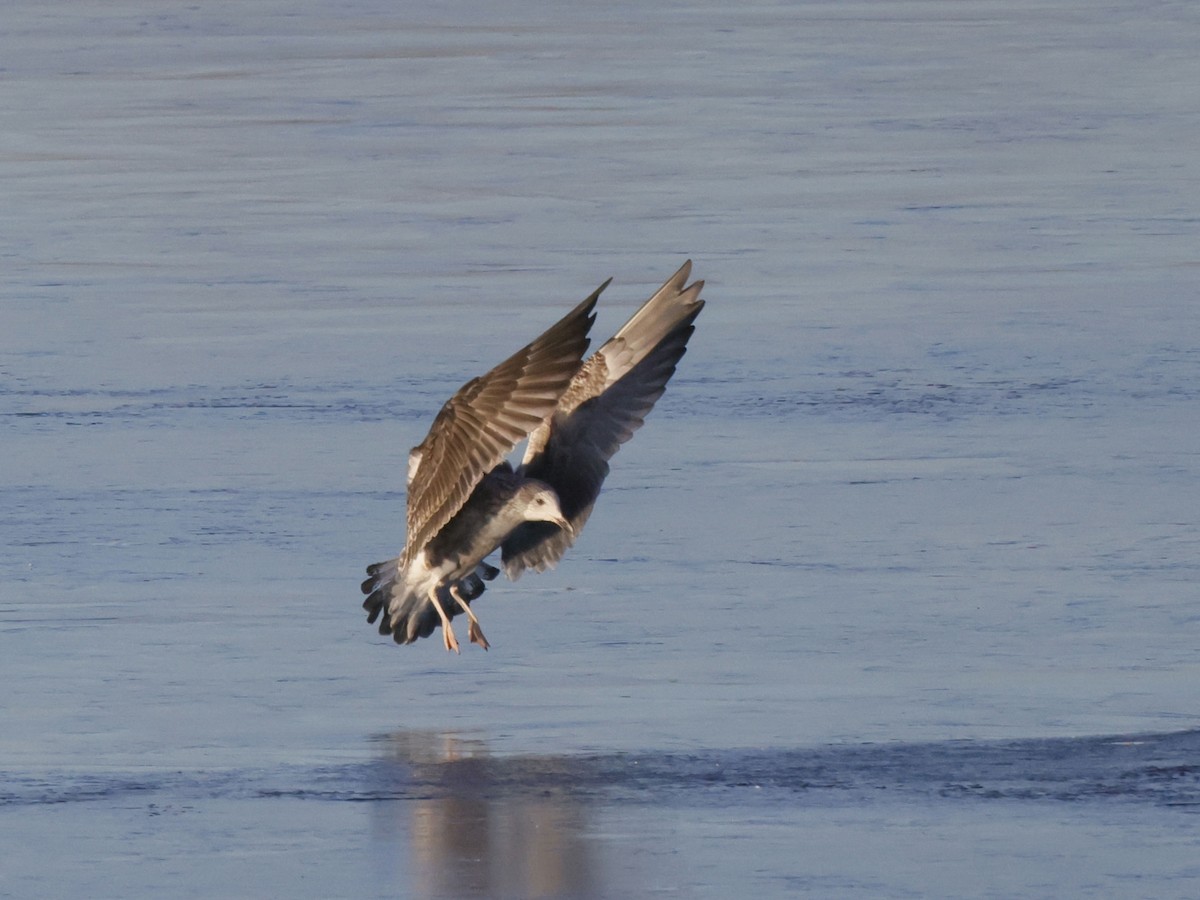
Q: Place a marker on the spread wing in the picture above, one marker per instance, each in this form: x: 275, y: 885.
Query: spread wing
x: 481, y: 424
x: 605, y: 403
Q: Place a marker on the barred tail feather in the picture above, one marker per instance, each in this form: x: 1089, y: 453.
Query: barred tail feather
x: 406, y: 615
x: 378, y: 588
x: 411, y: 616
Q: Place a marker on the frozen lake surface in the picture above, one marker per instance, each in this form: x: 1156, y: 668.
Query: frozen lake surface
x: 894, y: 596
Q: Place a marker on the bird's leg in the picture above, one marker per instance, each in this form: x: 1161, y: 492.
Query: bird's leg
x: 473, y: 630
x: 448, y: 637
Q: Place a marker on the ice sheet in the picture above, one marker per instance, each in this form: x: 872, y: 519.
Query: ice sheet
x: 926, y: 476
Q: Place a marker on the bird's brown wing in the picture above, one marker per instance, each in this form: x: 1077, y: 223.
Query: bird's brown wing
x: 486, y: 419
x: 605, y: 403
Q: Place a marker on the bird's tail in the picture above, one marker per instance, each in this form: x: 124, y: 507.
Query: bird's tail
x: 378, y: 588
x: 407, y: 615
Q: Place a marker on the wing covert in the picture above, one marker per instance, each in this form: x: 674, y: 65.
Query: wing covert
x: 488, y: 416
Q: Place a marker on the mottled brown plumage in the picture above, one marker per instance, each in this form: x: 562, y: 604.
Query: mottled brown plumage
x: 465, y: 500
x: 482, y: 423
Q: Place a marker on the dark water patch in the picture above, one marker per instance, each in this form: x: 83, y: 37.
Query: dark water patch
x: 1155, y: 768
x: 883, y: 394
x: 338, y: 403
x: 1158, y: 769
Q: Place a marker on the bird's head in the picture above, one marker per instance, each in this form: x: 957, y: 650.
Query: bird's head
x: 539, y: 503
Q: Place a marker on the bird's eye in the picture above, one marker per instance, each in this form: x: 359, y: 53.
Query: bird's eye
x: 541, y: 501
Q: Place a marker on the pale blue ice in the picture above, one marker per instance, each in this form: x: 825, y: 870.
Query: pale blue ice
x: 893, y: 596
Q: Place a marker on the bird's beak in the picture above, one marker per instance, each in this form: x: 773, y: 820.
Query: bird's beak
x: 565, y: 526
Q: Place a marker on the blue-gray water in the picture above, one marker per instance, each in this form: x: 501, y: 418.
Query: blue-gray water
x: 894, y: 595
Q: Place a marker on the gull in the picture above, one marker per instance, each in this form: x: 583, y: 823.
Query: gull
x: 465, y: 500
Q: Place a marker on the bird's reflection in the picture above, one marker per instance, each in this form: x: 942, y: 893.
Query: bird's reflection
x: 475, y: 826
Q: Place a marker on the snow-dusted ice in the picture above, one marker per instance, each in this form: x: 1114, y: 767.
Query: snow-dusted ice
x: 895, y: 593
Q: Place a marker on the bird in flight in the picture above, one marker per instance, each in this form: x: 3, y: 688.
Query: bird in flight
x: 465, y: 499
